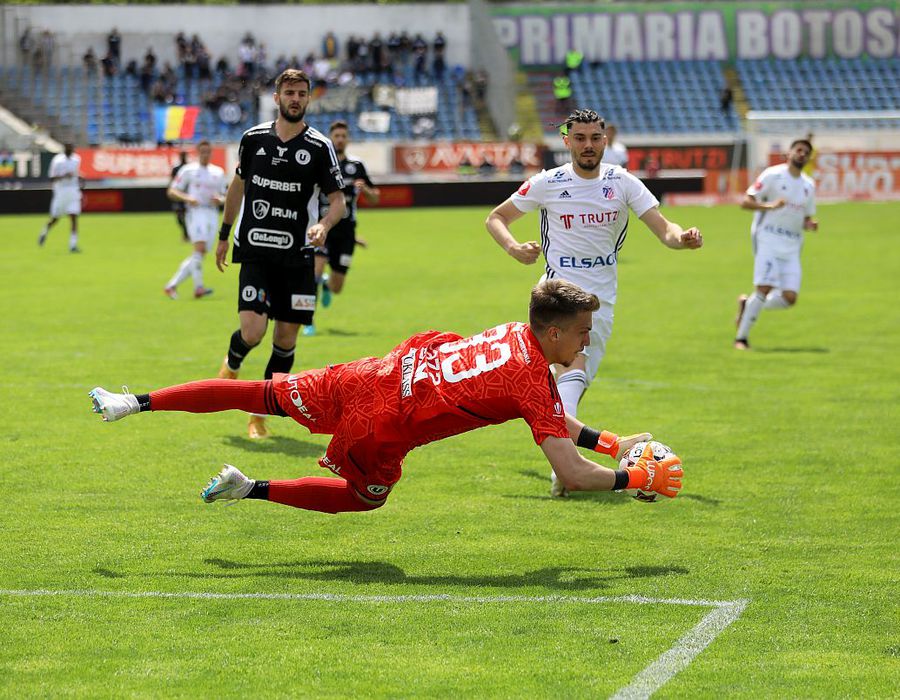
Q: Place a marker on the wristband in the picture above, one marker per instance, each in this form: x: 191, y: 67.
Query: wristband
x: 224, y: 230
x: 607, y: 443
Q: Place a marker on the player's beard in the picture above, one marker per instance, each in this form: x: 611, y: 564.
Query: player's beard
x: 799, y: 163
x: 292, y: 118
x: 589, y: 166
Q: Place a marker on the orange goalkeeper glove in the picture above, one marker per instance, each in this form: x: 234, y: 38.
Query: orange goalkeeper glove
x: 663, y: 477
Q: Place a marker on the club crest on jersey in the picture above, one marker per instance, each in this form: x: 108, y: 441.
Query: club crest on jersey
x: 260, y: 208
x: 609, y: 193
x: 350, y: 168
x: 303, y: 157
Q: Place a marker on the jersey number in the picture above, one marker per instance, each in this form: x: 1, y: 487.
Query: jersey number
x: 495, y: 355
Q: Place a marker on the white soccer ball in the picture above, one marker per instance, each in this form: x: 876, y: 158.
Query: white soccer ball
x: 630, y: 458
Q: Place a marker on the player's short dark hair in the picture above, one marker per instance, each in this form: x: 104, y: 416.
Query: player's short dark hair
x: 554, y: 302
x: 291, y: 75
x: 805, y: 141
x: 204, y: 142
x: 338, y: 124
x: 580, y: 116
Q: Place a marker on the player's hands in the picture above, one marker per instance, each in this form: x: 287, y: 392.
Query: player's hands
x: 316, y: 234
x: 221, y: 254
x: 218, y: 200
x: 191, y: 201
x: 625, y: 444
x: 362, y: 242
x: 777, y: 204
x: 691, y: 238
x: 663, y: 477
x: 811, y: 225
x: 526, y: 253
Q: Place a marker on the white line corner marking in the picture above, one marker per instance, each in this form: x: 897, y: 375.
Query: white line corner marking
x: 643, y: 685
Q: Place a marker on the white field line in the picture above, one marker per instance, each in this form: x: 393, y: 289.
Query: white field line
x: 644, y: 684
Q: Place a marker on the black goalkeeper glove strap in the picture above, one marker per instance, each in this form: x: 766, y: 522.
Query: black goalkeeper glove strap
x: 224, y: 231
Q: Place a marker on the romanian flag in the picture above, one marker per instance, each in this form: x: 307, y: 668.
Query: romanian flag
x: 176, y: 123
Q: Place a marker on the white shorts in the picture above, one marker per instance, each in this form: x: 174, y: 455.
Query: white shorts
x: 201, y: 223
x: 602, y: 323
x: 779, y: 271
x: 66, y: 202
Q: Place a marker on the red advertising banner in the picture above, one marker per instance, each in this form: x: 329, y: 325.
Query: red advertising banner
x: 137, y: 163
x: 847, y: 175
x: 447, y: 157
x: 102, y: 200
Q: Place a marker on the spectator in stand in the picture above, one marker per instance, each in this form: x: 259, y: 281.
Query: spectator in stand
x: 203, y: 59
x: 330, y: 46
x: 89, y: 60
x: 169, y: 77
x: 406, y: 48
x: 480, y: 82
x: 132, y: 69
x: 181, y: 46
x: 222, y: 67
x: 43, y: 54
x: 420, y: 56
x: 26, y: 45
x: 281, y: 64
x: 150, y: 58
x: 439, y: 63
x: 247, y: 56
x: 146, y: 75
x: 393, y: 46
x: 114, y: 46
x: 376, y: 53
x: 352, y: 48
x: 725, y: 99
x: 110, y: 67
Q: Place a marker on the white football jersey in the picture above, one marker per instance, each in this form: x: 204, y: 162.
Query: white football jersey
x: 66, y: 168
x: 584, y: 222
x: 780, y: 231
x: 201, y: 183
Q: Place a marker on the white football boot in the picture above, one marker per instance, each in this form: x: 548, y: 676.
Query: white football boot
x: 113, y: 406
x: 228, y: 485
x: 557, y: 489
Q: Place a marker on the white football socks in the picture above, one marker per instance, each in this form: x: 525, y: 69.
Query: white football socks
x: 754, y: 305
x: 197, y: 269
x: 571, y: 386
x: 775, y: 300
x: 184, y: 271
x: 73, y: 239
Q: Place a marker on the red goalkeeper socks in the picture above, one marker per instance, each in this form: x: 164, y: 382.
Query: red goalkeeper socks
x: 211, y: 395
x: 324, y: 494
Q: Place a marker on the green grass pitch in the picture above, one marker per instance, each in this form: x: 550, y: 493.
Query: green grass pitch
x: 790, y: 498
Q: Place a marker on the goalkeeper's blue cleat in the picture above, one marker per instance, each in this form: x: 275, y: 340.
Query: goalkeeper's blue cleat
x: 309, y: 330
x: 113, y: 406
x: 228, y: 485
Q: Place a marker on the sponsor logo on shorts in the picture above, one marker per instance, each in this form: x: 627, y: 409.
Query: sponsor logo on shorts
x: 345, y: 260
x: 377, y: 489
x: 276, y: 185
x: 407, y: 362
x: 296, y: 398
x: 260, y: 208
x: 269, y: 238
x: 303, y: 302
x: 248, y: 293
x: 303, y: 157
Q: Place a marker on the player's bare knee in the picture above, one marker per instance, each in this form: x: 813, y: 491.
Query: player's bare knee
x: 790, y: 297
x: 335, y: 285
x: 764, y: 289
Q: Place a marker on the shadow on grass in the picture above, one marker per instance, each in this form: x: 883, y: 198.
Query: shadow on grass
x: 276, y: 444
x: 811, y: 350
x: 341, y: 332
x: 364, y: 572
x: 705, y: 500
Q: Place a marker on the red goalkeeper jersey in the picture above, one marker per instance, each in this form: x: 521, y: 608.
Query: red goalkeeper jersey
x: 449, y: 385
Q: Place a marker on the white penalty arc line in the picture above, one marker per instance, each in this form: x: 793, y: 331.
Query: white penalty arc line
x: 643, y: 685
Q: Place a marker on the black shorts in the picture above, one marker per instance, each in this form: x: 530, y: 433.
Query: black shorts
x: 339, y: 247
x: 282, y: 293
